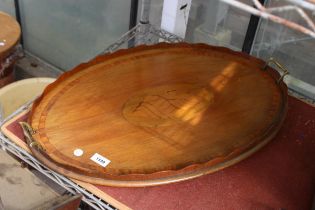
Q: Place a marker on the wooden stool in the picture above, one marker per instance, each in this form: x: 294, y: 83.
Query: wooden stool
x: 9, y: 36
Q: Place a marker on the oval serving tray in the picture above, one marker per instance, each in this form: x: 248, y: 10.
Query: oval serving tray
x: 157, y: 114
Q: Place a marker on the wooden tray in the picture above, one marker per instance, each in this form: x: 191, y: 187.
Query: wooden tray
x: 159, y: 114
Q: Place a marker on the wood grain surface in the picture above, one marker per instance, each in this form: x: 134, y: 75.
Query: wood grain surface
x: 160, y: 114
x: 9, y: 34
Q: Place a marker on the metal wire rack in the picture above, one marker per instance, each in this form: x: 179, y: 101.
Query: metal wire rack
x: 140, y: 34
x: 61, y: 180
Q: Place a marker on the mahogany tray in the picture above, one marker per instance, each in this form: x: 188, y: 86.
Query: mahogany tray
x: 158, y: 114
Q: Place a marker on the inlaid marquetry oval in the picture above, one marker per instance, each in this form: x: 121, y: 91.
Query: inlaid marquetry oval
x: 168, y: 104
x: 157, y: 114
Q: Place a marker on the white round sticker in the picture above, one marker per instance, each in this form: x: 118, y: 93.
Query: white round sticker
x: 78, y: 152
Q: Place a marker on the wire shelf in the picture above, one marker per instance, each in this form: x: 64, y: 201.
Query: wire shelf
x: 142, y: 34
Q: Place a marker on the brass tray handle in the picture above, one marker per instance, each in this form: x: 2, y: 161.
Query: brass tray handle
x: 279, y: 65
x: 28, y: 132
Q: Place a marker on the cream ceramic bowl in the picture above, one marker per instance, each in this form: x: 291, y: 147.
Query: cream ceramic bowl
x: 20, y: 92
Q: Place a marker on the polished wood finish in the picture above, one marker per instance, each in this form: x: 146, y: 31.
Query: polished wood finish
x: 160, y: 114
x: 13, y: 132
x: 9, y: 34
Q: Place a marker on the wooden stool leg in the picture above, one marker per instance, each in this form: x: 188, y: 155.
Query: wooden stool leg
x: 1, y: 205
